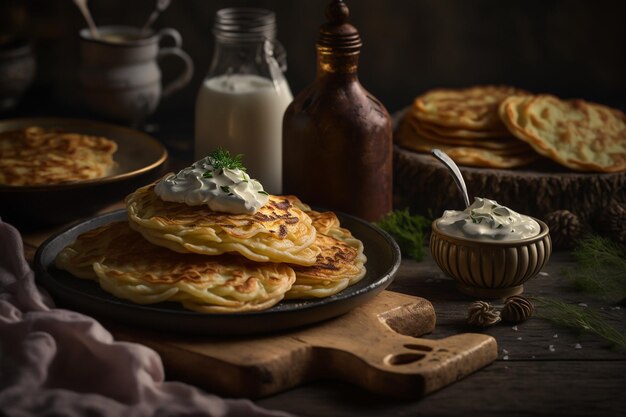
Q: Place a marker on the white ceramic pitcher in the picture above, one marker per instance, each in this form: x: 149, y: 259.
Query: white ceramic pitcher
x: 119, y: 73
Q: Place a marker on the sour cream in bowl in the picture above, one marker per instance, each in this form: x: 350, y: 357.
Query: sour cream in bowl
x: 487, y: 220
x: 490, y: 249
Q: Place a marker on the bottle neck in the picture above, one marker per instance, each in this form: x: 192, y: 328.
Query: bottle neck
x: 333, y: 64
x: 245, y: 43
x: 237, y: 57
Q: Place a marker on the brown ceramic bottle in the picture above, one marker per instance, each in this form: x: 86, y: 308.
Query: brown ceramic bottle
x: 337, y: 138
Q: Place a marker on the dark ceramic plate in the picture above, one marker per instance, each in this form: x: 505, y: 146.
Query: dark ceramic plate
x: 140, y: 159
x: 383, y: 259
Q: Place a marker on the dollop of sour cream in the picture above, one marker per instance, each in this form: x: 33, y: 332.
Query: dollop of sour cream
x: 229, y: 190
x: 487, y: 220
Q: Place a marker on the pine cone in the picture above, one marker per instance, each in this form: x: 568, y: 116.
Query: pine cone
x: 517, y: 309
x: 482, y: 314
x: 565, y: 228
x: 613, y: 221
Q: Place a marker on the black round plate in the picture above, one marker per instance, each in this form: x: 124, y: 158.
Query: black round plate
x: 383, y: 259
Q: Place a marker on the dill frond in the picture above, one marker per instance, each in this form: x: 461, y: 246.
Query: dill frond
x: 601, y: 269
x: 408, y: 231
x: 577, y: 318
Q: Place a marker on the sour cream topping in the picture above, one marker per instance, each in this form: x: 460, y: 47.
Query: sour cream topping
x: 487, y: 220
x: 229, y: 190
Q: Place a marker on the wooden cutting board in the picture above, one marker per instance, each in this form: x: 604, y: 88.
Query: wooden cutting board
x: 375, y: 346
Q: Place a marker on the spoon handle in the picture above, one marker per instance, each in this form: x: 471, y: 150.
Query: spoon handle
x: 82, y: 6
x: 160, y: 7
x: 454, y: 171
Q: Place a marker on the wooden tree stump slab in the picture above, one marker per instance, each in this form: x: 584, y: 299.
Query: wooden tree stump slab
x: 539, y: 190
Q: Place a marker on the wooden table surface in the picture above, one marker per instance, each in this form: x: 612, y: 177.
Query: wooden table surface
x: 540, y: 370
x: 528, y: 378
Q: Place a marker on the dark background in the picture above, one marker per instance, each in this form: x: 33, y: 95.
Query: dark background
x: 571, y: 48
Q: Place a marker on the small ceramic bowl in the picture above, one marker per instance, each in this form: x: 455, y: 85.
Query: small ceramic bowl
x: 491, y: 269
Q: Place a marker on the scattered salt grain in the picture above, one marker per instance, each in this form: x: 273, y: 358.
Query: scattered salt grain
x: 519, y: 338
x: 543, y: 274
x: 552, y: 348
x: 556, y: 336
x: 514, y: 328
x: 533, y: 357
x: 505, y: 357
x: 615, y: 308
x: 577, y: 346
x: 582, y: 304
x: 505, y: 352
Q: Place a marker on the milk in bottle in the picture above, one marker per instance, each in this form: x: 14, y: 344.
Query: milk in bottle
x: 241, y: 103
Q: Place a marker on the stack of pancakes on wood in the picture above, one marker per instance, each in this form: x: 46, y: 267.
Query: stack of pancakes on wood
x: 465, y: 124
x: 217, y: 262
x: 505, y: 127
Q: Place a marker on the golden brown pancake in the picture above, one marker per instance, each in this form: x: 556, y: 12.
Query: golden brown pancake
x: 577, y: 134
x: 278, y: 232
x: 323, y: 222
x: 340, y: 264
x: 129, y: 267
x: 473, y: 108
x: 476, y: 156
x: 38, y: 156
x: 503, y: 142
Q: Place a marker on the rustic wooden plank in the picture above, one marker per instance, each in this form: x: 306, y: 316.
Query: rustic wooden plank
x: 549, y: 388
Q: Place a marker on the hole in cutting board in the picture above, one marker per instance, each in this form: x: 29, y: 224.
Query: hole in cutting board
x: 414, y: 346
x: 403, y: 358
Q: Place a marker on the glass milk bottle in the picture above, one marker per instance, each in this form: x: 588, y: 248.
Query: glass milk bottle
x: 242, y: 100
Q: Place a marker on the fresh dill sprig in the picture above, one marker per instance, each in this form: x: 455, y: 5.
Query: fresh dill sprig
x: 578, y: 318
x: 601, y: 269
x: 407, y: 230
x: 222, y: 159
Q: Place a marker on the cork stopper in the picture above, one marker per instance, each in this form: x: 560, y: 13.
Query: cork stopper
x: 337, y: 34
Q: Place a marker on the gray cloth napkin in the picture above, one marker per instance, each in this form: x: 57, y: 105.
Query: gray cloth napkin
x: 56, y: 362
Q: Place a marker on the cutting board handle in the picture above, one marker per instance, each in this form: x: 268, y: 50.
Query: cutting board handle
x: 383, y: 354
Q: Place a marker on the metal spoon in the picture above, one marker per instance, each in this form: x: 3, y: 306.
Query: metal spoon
x: 454, y: 171
x: 82, y: 6
x: 161, y: 5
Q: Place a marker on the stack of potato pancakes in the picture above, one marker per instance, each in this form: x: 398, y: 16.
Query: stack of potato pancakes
x: 505, y: 127
x: 215, y: 262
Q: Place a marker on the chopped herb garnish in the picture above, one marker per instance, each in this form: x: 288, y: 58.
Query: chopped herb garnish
x: 263, y: 192
x: 221, y: 159
x: 225, y: 188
